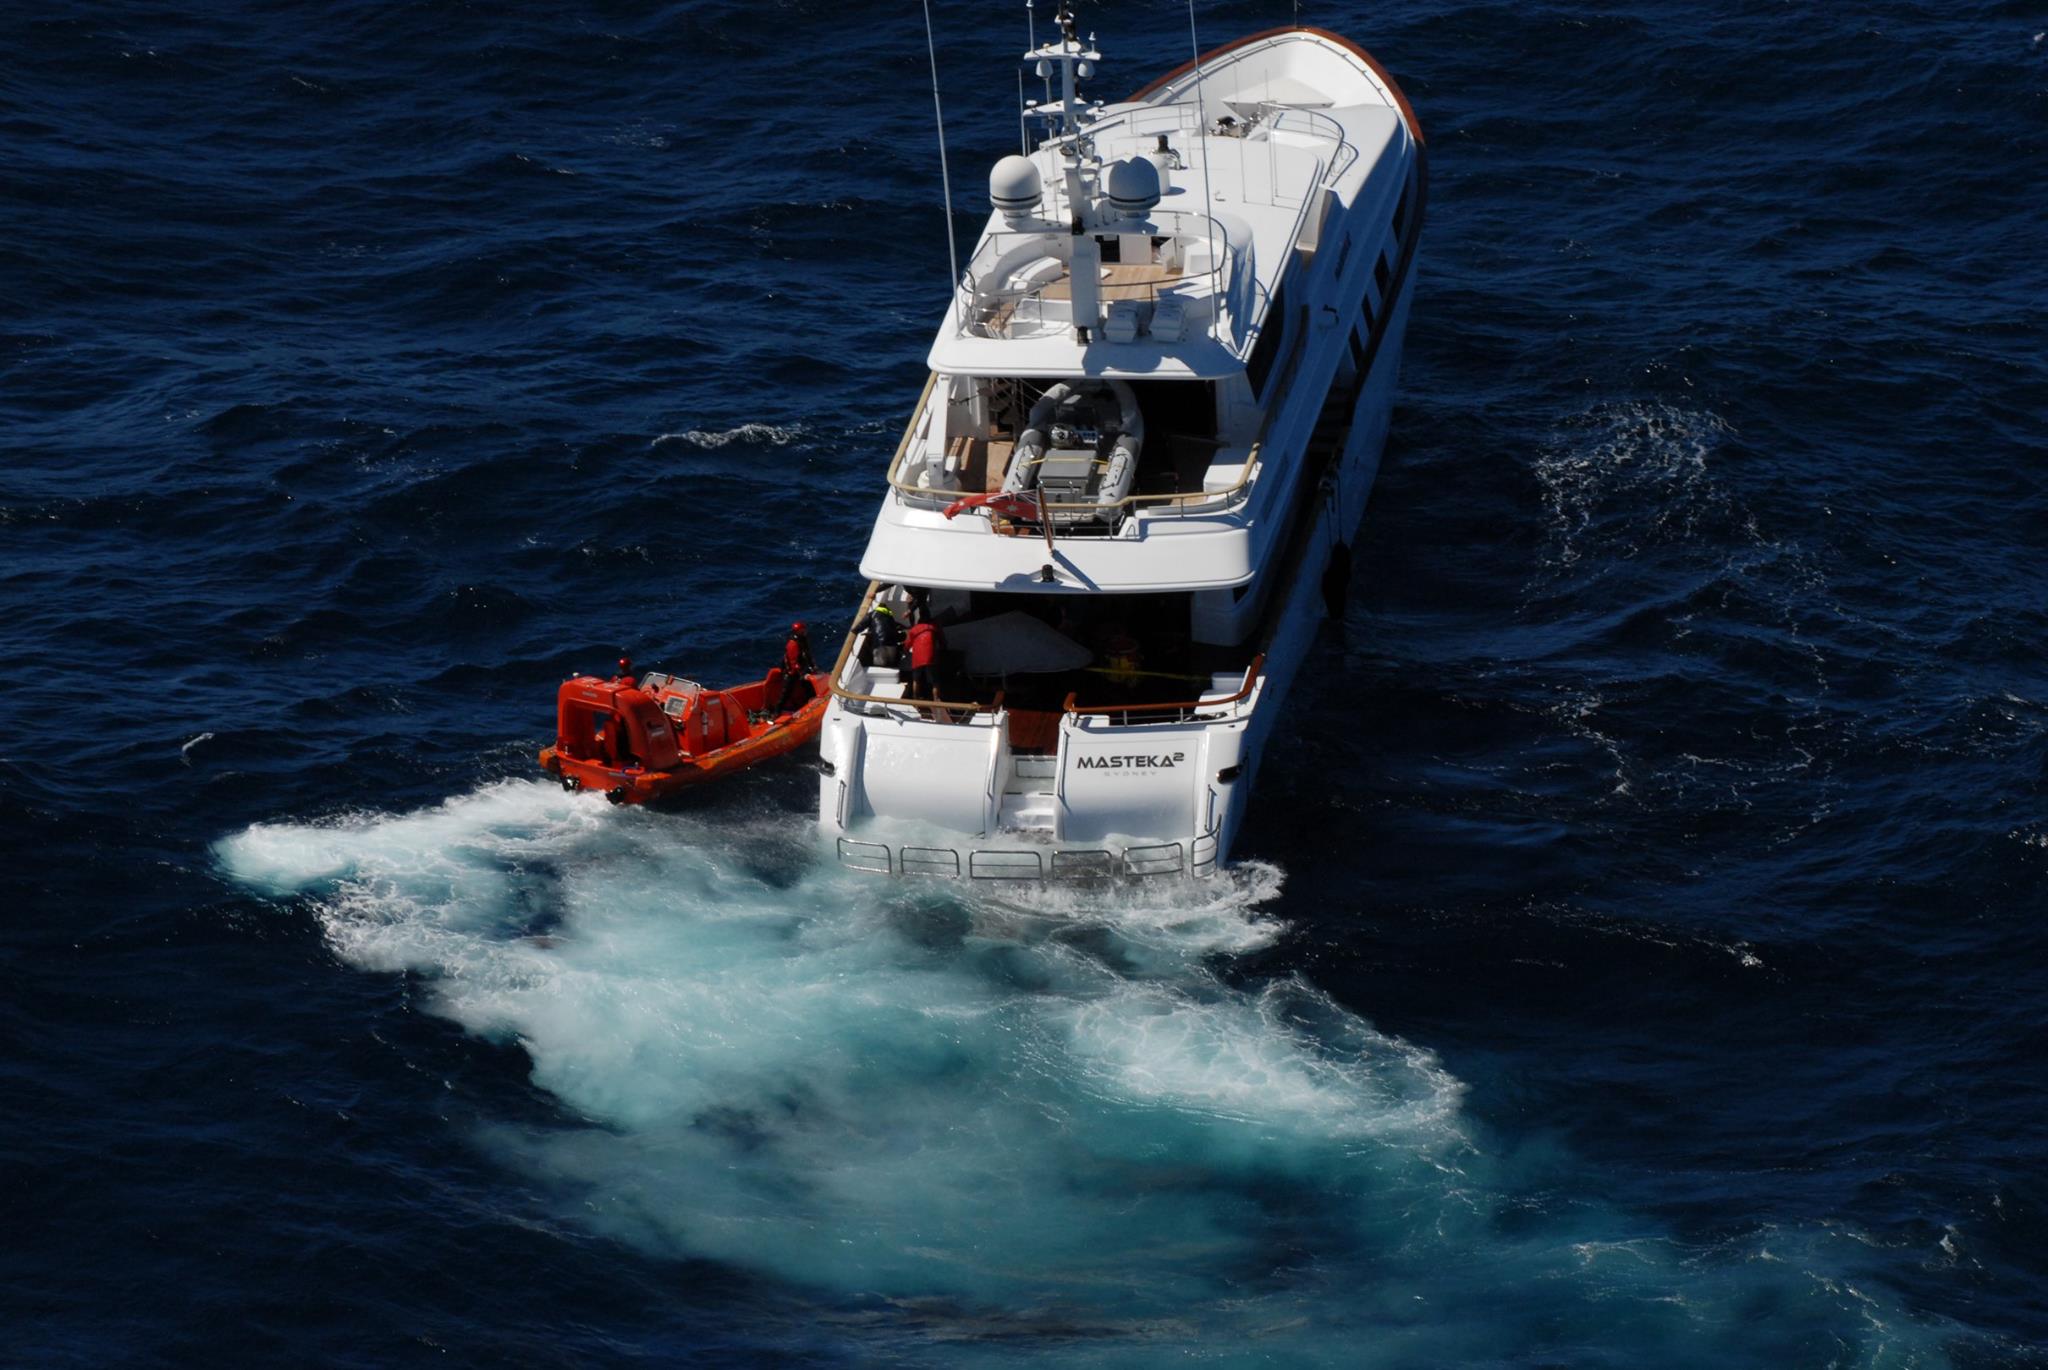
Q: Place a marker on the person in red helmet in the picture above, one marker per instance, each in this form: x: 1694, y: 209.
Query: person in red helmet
x: 797, y: 666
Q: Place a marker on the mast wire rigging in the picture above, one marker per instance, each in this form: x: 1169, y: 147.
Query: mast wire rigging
x: 945, y: 174
x: 1202, y: 117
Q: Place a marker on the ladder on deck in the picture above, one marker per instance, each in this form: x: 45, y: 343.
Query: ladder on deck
x: 1029, y: 801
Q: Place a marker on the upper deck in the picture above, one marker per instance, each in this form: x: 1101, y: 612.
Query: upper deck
x: 1206, y: 262
x: 1280, y: 164
x: 1253, y: 150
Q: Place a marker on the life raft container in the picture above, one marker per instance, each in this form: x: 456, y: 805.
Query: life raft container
x: 637, y: 740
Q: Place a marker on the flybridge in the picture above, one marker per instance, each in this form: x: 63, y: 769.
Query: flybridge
x: 1143, y: 239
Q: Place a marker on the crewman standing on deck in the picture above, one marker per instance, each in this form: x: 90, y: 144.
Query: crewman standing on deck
x: 923, y: 642
x: 797, y: 666
x: 883, y: 645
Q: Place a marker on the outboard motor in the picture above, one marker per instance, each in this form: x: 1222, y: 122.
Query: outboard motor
x: 1081, y: 446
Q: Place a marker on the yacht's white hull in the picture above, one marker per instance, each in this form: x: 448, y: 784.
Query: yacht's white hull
x: 1306, y: 604
x: 1153, y: 789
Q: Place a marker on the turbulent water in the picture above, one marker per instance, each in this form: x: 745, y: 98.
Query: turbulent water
x: 1637, y: 956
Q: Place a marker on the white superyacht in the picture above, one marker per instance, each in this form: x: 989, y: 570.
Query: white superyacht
x: 1124, y: 501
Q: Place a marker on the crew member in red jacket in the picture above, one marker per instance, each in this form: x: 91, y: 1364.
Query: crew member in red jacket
x: 797, y: 666
x: 922, y: 641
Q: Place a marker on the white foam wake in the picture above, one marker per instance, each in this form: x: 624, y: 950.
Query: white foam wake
x: 848, y: 1081
x: 1048, y: 1107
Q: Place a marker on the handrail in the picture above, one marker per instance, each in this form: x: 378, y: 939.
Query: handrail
x: 1189, y: 225
x: 1003, y: 863
x: 1389, y: 86
x: 1334, y: 133
x: 922, y: 705
x: 1251, y: 679
x: 860, y: 616
x: 924, y: 400
x: 902, y: 486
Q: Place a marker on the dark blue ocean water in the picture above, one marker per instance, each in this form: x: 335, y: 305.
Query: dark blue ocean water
x: 1639, y: 955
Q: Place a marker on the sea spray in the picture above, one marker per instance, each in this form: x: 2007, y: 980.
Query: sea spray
x: 1054, y: 1106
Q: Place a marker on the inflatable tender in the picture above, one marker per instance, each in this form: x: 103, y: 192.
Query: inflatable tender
x: 639, y: 740
x: 1080, y: 446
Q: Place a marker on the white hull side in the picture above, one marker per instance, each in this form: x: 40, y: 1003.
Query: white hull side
x: 1302, y: 614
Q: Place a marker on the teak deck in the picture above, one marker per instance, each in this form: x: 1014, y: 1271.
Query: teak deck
x: 982, y: 463
x: 1120, y: 281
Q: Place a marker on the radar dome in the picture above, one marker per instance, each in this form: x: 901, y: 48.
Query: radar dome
x: 1014, y: 187
x: 1132, y: 186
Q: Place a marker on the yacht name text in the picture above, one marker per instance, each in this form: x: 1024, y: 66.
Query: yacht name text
x: 1126, y: 762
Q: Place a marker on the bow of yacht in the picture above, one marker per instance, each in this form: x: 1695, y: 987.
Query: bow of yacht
x: 1125, y: 498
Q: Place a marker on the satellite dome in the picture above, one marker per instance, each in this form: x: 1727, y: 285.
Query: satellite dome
x: 1132, y: 186
x: 1014, y: 187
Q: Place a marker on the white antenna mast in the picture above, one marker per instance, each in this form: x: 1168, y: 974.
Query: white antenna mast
x: 1031, y: 32
x: 1076, y: 62
x: 945, y: 175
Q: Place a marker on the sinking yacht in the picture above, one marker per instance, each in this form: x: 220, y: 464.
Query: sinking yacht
x: 1124, y: 500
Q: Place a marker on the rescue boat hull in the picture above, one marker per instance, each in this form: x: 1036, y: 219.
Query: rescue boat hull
x: 636, y: 744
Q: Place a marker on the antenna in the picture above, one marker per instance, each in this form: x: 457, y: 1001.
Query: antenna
x: 945, y: 175
x: 1067, y: 135
x: 1031, y: 31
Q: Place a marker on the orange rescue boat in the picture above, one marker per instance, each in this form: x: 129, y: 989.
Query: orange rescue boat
x: 640, y: 740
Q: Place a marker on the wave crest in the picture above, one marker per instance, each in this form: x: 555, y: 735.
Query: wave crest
x: 764, y: 434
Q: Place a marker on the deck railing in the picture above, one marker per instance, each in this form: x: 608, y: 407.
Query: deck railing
x: 1182, y: 708
x: 1184, y: 502
x: 1194, y: 857
x: 981, y: 295
x: 962, y: 711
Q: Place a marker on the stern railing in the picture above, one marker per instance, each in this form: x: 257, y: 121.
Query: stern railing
x: 1181, y: 708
